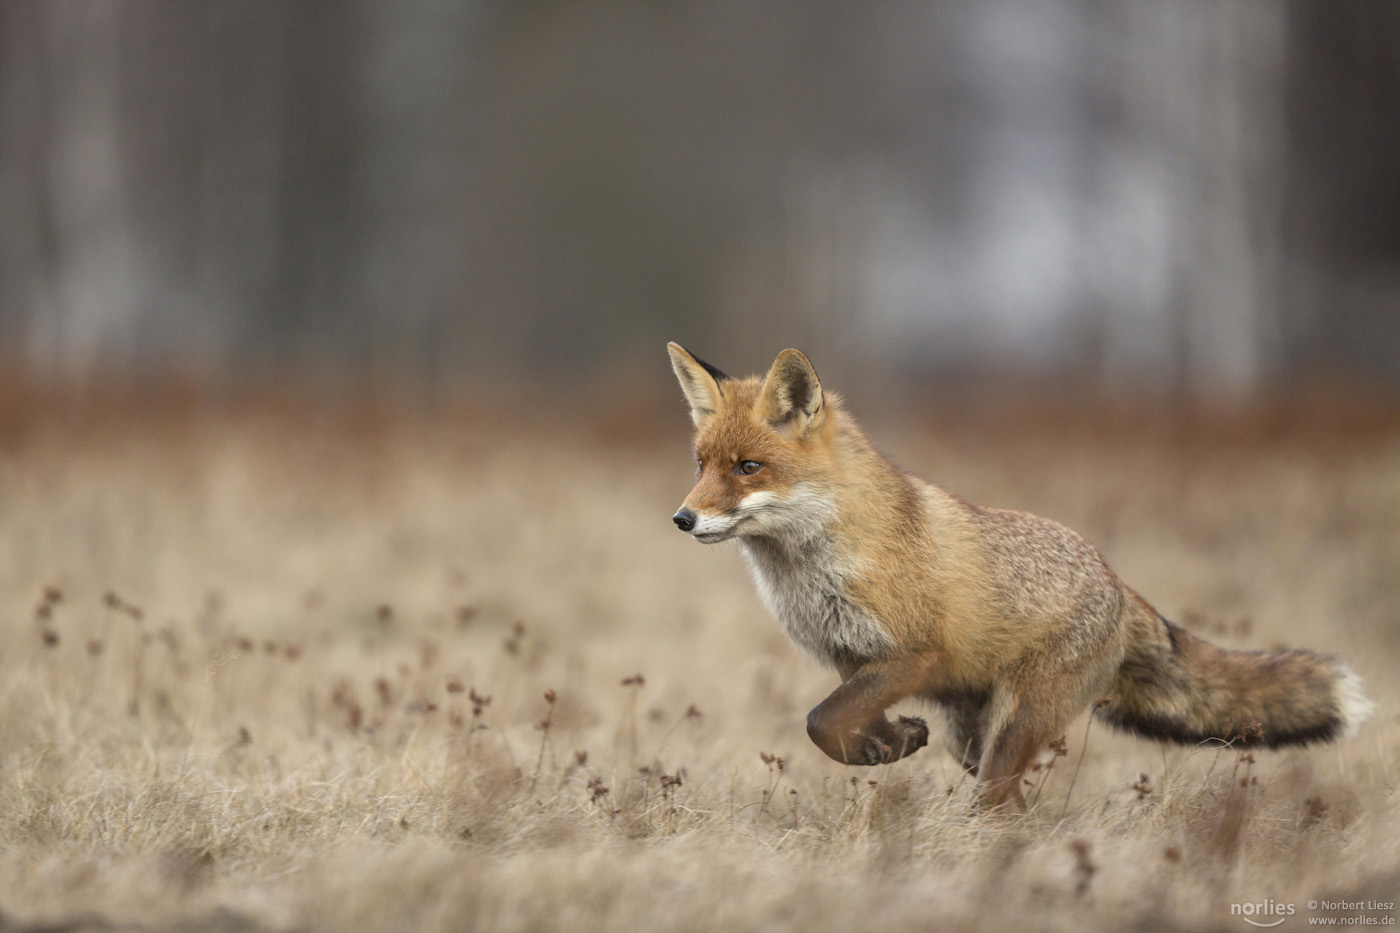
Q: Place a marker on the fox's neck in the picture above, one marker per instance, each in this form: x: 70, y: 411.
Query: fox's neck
x: 868, y: 523
x: 803, y: 577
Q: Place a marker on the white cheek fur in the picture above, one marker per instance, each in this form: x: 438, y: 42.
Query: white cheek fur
x: 801, y: 514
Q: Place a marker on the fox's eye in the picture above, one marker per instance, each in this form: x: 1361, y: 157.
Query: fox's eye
x: 749, y: 467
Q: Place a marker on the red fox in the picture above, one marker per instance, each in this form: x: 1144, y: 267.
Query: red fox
x: 1012, y: 623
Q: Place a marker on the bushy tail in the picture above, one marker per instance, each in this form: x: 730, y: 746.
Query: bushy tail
x: 1176, y: 687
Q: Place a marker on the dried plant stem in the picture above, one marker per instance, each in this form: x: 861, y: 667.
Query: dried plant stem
x: 549, y: 698
x: 1083, y: 750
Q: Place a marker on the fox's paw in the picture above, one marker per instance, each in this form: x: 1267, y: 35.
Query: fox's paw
x: 892, y: 741
x: 913, y: 733
x: 913, y: 730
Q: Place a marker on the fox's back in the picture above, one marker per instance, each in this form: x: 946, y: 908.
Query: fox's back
x: 1046, y: 580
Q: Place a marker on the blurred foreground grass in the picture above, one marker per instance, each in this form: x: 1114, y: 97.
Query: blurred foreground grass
x: 274, y: 666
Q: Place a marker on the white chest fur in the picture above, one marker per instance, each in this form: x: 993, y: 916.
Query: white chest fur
x: 803, y: 584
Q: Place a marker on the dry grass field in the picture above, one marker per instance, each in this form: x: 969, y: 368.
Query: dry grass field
x: 270, y: 666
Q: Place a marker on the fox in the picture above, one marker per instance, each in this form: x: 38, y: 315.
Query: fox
x: 1013, y: 624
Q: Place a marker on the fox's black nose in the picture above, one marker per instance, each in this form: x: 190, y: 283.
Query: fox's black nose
x: 684, y: 519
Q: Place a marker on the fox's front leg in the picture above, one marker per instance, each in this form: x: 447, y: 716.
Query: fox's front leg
x: 850, y: 725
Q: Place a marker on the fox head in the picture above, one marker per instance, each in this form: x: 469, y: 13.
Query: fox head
x: 763, y: 450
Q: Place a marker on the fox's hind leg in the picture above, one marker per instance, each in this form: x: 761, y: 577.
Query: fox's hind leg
x: 1011, y: 743
x: 1026, y: 713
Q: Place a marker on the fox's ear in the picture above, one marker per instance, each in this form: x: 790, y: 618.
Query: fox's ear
x: 700, y: 383
x: 792, y: 394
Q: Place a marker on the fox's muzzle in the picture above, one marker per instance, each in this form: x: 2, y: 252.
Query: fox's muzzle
x: 684, y: 519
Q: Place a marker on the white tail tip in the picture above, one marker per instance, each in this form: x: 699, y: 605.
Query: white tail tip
x: 1353, y: 706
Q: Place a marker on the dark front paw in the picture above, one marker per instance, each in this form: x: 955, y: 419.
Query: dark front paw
x: 878, y: 742
x: 913, y: 734
x: 890, y: 741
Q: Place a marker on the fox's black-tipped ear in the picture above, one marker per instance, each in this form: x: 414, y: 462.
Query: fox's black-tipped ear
x: 792, y: 394
x: 700, y: 382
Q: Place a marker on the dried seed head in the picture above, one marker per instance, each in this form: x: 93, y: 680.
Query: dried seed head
x: 117, y: 604
x: 1143, y: 786
x: 1084, y: 867
x: 1254, y: 729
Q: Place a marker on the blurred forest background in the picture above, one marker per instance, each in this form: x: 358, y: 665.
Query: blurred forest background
x: 1167, y: 199
x: 334, y: 406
